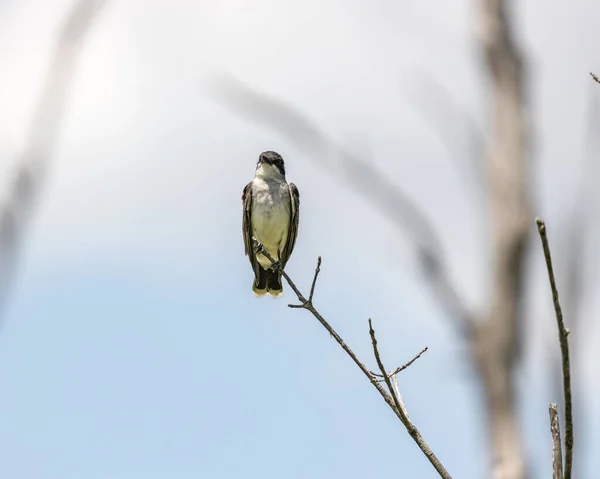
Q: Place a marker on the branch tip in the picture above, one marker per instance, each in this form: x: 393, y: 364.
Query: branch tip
x: 314, y: 281
x: 540, y: 224
x: 563, y: 332
x: 557, y: 465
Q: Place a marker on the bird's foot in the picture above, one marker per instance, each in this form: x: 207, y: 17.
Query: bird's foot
x: 258, y: 247
x: 276, y: 265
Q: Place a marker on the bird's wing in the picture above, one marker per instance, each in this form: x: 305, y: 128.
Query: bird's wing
x: 247, y: 224
x: 293, y: 228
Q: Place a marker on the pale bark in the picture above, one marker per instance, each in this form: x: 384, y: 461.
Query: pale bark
x: 497, y: 340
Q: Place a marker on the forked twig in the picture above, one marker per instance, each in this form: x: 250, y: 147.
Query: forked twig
x: 391, y: 400
x: 403, y: 367
x: 410, y: 427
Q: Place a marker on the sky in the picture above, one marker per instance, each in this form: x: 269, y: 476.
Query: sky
x: 132, y: 346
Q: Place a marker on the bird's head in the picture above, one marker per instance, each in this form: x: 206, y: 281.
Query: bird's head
x: 270, y: 165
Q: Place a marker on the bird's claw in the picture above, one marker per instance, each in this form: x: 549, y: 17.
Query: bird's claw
x: 276, y: 265
x: 258, y: 247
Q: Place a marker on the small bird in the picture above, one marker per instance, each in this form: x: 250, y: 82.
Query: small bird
x: 271, y: 208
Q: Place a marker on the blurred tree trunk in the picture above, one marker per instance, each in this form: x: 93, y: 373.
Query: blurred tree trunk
x: 496, y: 341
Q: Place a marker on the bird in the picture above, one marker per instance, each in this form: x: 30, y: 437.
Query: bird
x: 270, y: 216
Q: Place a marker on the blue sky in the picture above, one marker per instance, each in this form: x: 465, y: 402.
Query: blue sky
x: 133, y: 347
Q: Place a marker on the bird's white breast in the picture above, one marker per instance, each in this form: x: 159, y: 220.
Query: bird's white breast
x: 270, y: 214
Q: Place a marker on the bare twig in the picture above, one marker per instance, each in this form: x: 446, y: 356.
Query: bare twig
x: 314, y: 283
x: 557, y: 465
x: 404, y: 366
x: 312, y: 286
x: 595, y: 77
x: 410, y: 427
x: 576, y: 266
x: 391, y: 402
x: 563, y: 334
x: 407, y: 423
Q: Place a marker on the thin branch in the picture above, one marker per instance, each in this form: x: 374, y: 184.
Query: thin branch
x: 410, y: 427
x: 557, y: 465
x: 314, y: 283
x: 577, y: 266
x: 391, y: 402
x: 407, y: 423
x: 404, y: 366
x: 595, y: 77
x: 563, y: 334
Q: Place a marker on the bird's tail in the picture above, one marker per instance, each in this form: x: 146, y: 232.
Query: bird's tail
x: 267, y: 281
x: 274, y: 284
x: 259, y: 287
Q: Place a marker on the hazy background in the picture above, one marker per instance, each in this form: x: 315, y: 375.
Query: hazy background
x: 132, y: 346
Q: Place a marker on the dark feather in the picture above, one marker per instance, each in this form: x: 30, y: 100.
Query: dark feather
x: 261, y: 280
x: 247, y: 227
x: 274, y: 281
x: 294, y: 219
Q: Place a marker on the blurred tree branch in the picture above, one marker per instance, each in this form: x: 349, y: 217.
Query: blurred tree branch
x: 595, y: 77
x: 363, y: 177
x: 448, y: 117
x: 498, y: 343
x: 43, y: 134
